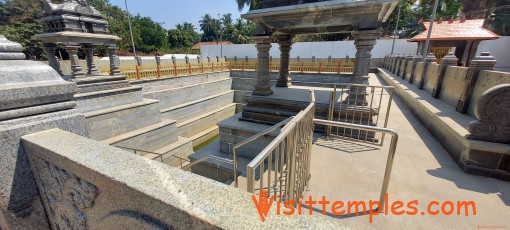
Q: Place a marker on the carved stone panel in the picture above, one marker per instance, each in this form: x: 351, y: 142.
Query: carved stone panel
x: 65, y: 196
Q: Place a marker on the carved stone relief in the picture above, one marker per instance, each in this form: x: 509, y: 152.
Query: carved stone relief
x: 65, y: 195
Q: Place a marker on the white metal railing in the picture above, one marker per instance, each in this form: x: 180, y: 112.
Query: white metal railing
x: 391, y: 154
x: 284, y: 165
x: 360, y: 104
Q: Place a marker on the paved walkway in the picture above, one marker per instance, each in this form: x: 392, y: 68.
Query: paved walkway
x: 422, y: 171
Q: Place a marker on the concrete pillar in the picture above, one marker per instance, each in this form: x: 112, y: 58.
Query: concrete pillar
x: 139, y: 60
x: 394, y: 63
x: 49, y: 49
x: 408, y: 59
x: 472, y: 52
x: 364, y: 41
x: 483, y: 62
x: 285, y: 43
x: 400, y: 63
x: 448, y: 60
x: 89, y: 52
x: 75, y: 62
x: 158, y: 60
x: 187, y: 59
x: 198, y: 59
x: 263, y: 85
x: 417, y: 58
x: 429, y: 59
x: 114, y: 64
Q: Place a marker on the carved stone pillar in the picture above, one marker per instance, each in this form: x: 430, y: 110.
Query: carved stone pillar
x: 483, y: 62
x: 364, y: 41
x: 77, y: 71
x: 285, y: 43
x: 49, y: 49
x: 114, y: 65
x: 91, y: 67
x: 263, y: 86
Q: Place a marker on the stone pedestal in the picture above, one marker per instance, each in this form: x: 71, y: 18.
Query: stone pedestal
x: 285, y: 43
x: 416, y: 59
x: 77, y: 72
x: 263, y: 86
x: 364, y: 41
x: 34, y: 98
x: 483, y: 62
x: 89, y: 51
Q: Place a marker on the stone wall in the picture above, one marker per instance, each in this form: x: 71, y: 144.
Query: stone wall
x: 471, y: 116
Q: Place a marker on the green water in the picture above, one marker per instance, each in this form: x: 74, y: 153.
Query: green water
x: 201, y: 146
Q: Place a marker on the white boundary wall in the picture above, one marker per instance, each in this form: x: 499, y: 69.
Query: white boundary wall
x: 339, y: 49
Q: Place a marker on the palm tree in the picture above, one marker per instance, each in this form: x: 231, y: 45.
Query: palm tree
x: 253, y: 4
x: 206, y: 23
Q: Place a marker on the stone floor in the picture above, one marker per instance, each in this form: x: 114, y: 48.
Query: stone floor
x: 422, y: 170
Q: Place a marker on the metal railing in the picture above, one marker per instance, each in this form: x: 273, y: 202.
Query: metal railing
x: 391, y: 154
x: 359, y: 104
x: 185, y: 164
x: 157, y: 71
x: 251, y: 139
x: 287, y: 158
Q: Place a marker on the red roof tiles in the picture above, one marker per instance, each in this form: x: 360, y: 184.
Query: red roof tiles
x: 456, y: 30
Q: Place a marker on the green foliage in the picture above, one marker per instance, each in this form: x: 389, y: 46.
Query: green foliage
x: 183, y: 36
x: 225, y: 29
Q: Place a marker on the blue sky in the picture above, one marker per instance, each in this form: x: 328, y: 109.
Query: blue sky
x: 172, y: 12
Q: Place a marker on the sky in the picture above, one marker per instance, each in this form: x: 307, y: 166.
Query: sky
x: 172, y: 12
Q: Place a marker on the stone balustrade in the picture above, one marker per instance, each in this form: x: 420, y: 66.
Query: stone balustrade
x: 85, y: 184
x: 479, y: 142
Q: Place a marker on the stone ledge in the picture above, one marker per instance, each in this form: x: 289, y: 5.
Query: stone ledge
x: 119, y: 108
x: 138, y: 132
x: 449, y: 128
x: 159, y: 195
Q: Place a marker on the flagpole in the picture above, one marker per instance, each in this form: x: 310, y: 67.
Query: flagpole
x: 427, y: 43
x: 130, y: 29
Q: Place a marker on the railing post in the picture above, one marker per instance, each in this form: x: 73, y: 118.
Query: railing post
x: 320, y: 67
x: 339, y: 67
x: 230, y: 66
x: 212, y: 66
x: 242, y: 65
x: 159, y: 70
x: 202, y: 67
x: 302, y: 67
x: 175, y: 69
x: 137, y: 72
x: 189, y: 68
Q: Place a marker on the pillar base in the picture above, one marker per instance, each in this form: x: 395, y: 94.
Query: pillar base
x: 283, y: 83
x: 262, y: 92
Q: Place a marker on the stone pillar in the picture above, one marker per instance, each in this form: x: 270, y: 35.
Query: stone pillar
x: 75, y: 62
x: 394, y: 63
x: 89, y: 51
x: 429, y: 59
x: 158, y: 60
x: 472, y: 52
x: 285, y: 43
x: 49, y: 49
x: 139, y: 60
x: 400, y: 63
x: 448, y: 60
x: 114, y: 65
x: 416, y: 59
x: 408, y: 59
x: 263, y: 86
x: 483, y: 62
x: 364, y: 41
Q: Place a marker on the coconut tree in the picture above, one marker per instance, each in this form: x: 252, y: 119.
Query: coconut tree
x: 253, y: 4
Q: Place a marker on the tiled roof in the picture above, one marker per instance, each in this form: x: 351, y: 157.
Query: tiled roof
x: 455, y: 30
x: 197, y: 46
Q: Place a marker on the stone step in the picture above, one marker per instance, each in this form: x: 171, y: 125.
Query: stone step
x: 100, y: 86
x: 107, y: 98
x: 194, y: 108
x: 149, y: 138
x: 205, y: 135
x: 197, y: 124
x: 213, y: 169
x: 174, y: 154
x: 99, y: 78
x: 172, y: 82
x: 117, y: 120
x: 177, y: 96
